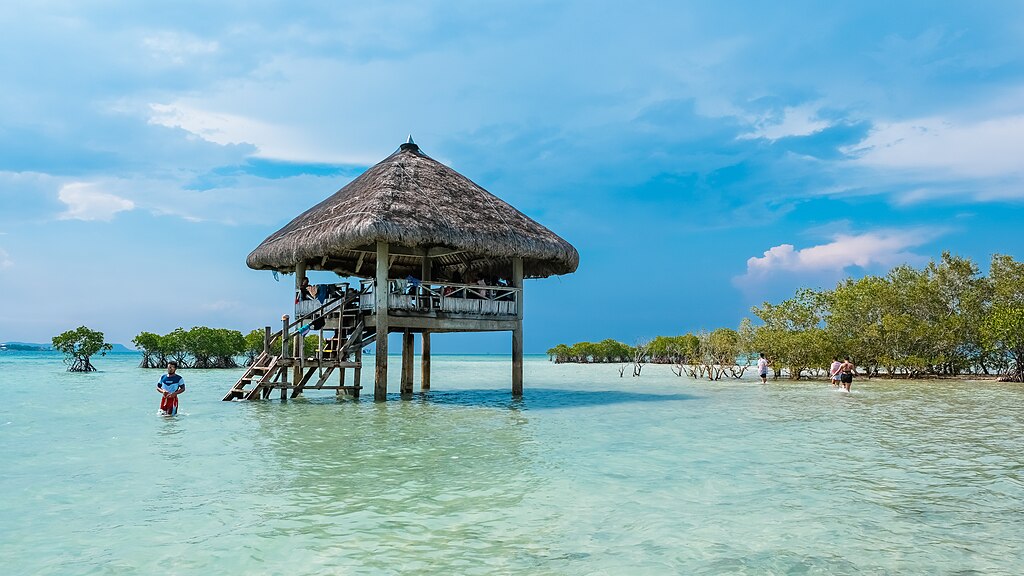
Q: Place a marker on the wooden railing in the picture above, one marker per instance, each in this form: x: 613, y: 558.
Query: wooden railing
x: 428, y: 296
x: 328, y: 307
x: 306, y: 303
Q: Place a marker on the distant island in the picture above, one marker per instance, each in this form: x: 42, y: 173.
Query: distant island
x: 34, y: 347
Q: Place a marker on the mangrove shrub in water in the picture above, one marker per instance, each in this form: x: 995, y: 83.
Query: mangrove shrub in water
x: 78, y: 345
x: 945, y: 319
x: 198, y: 347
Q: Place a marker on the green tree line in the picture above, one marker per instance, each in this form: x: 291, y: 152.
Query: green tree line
x: 944, y: 319
x: 204, y: 347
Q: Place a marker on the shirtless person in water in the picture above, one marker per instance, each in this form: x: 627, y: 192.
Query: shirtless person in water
x: 846, y: 371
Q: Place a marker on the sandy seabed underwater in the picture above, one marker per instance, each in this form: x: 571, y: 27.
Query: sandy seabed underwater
x: 588, y: 473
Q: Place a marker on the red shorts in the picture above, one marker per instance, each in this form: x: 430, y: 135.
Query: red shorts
x: 169, y: 405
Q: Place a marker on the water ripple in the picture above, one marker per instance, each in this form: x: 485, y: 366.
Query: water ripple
x: 588, y: 473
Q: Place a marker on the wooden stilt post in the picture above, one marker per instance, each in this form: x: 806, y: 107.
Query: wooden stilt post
x: 298, y: 349
x: 407, y: 344
x: 357, y: 372
x: 300, y: 273
x: 266, y: 340
x: 517, y: 333
x: 380, y: 380
x: 284, y: 354
x: 426, y: 272
x: 299, y: 354
x: 425, y: 362
x: 341, y: 379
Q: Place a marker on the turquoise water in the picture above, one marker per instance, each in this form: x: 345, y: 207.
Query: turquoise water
x: 588, y: 474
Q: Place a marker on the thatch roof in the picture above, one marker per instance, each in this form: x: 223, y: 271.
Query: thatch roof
x: 417, y: 205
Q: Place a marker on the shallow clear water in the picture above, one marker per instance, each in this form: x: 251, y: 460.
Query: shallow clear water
x: 588, y: 474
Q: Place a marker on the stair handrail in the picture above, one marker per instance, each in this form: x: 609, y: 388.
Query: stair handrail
x: 327, y: 308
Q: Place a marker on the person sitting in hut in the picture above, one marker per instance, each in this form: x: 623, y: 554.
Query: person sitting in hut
x: 351, y: 293
x: 450, y: 290
x: 505, y: 295
x: 413, y: 284
x: 476, y: 293
x: 306, y: 291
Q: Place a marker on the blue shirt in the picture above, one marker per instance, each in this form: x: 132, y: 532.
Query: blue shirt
x: 171, y: 384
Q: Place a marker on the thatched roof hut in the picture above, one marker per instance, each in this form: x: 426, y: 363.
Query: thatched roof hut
x: 419, y: 207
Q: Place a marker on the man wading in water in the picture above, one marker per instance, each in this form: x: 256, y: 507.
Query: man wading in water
x: 762, y: 369
x: 170, y: 386
x: 846, y: 373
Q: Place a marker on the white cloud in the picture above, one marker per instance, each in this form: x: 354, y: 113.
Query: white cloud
x: 176, y: 48
x: 270, y: 139
x: 222, y: 305
x: 884, y: 248
x: 5, y: 260
x: 986, y: 148
x: 217, y: 127
x: 86, y: 202
x: 800, y: 120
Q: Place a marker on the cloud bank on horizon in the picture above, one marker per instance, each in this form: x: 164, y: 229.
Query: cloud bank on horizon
x: 719, y: 156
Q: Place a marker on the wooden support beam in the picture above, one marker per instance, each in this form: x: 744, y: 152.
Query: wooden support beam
x: 357, y: 372
x: 323, y: 379
x: 435, y: 252
x: 284, y: 353
x: 433, y: 324
x: 300, y: 382
x: 425, y: 362
x: 300, y: 352
x: 407, y: 344
x: 426, y: 272
x: 380, y: 381
x: 517, y: 332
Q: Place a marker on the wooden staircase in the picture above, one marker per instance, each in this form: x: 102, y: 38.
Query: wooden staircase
x: 342, y: 332
x: 259, y: 375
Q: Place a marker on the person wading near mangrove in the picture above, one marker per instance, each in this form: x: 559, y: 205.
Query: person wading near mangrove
x: 846, y: 373
x: 170, y: 386
x: 833, y: 371
x: 762, y: 368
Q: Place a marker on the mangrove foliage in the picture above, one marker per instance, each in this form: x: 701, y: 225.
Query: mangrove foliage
x: 945, y: 319
x: 78, y: 346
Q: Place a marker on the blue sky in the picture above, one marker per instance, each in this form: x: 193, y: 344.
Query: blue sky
x: 702, y: 156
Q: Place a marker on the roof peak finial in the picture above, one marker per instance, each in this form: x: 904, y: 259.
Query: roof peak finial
x: 409, y: 145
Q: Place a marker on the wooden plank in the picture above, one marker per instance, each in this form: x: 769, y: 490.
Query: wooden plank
x: 325, y: 376
x: 264, y: 386
x: 302, y: 383
x: 436, y: 252
x: 437, y: 324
